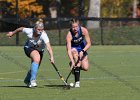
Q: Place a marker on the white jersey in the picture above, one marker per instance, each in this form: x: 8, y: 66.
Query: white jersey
x: 39, y: 42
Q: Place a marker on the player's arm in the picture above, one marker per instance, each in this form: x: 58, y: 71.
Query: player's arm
x: 68, y: 45
x: 11, y: 33
x: 50, y: 51
x: 87, y: 38
x: 46, y: 40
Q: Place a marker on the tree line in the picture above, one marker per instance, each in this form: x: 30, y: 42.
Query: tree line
x: 65, y: 8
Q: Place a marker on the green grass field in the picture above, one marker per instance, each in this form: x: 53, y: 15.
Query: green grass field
x: 114, y: 74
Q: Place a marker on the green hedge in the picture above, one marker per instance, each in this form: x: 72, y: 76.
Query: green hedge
x: 124, y: 35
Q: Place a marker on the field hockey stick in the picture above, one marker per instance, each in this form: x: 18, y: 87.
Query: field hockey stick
x: 61, y: 77
x: 69, y: 74
x: 73, y: 68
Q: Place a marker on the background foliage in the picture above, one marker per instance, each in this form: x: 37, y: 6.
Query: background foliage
x: 68, y: 8
x: 115, y: 8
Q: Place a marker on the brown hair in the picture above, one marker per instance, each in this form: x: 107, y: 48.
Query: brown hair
x: 74, y: 20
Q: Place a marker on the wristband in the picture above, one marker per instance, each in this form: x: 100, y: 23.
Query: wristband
x: 83, y: 51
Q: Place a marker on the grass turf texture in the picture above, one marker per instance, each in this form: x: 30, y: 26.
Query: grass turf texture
x: 114, y: 74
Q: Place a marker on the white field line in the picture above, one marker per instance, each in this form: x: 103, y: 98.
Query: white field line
x: 11, y: 72
x: 3, y: 73
x: 51, y: 79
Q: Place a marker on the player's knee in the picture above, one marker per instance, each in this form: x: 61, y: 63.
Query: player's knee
x: 36, y: 59
x: 74, y: 51
x: 35, y: 56
x: 85, y: 69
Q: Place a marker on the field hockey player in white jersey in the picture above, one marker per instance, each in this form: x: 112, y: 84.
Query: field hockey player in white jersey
x: 34, y: 47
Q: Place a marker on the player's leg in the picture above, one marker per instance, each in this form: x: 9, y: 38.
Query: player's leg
x: 85, y: 63
x: 35, y: 61
x: 35, y: 57
x: 28, y: 76
x: 77, y: 67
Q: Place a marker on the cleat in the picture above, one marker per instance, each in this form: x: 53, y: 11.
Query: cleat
x: 32, y: 84
x: 77, y: 84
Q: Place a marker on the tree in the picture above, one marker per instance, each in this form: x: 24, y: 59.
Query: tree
x: 70, y: 8
x: 116, y: 8
x: 94, y: 11
x: 26, y: 8
x: 135, y: 2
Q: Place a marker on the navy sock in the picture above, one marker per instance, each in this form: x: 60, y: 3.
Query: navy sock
x: 28, y: 76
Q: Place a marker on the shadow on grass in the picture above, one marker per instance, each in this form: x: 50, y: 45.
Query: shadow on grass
x: 55, y: 86
x: 58, y: 87
x: 49, y: 86
x: 20, y: 87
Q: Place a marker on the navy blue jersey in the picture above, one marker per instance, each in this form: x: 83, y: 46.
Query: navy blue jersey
x: 78, y: 42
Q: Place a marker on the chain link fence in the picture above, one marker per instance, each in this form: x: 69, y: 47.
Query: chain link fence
x: 106, y: 31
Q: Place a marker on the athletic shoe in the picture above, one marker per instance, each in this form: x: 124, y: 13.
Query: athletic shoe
x: 77, y: 84
x: 32, y: 84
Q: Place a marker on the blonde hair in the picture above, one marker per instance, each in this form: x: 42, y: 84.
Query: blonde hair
x: 39, y: 23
